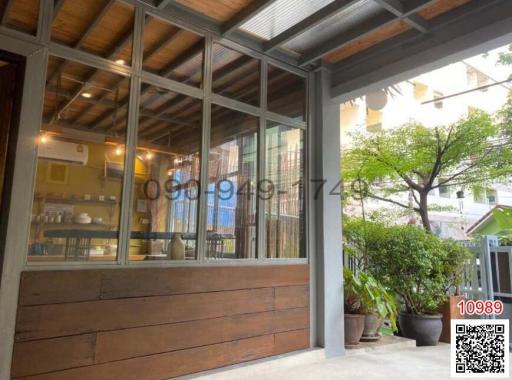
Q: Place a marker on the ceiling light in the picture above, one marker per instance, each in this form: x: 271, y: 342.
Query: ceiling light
x: 86, y: 95
x: 119, y: 151
x: 120, y: 61
x: 43, y: 139
x: 149, y: 155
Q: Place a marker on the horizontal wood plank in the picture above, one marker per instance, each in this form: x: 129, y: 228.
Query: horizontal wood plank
x: 288, y: 297
x: 48, y: 287
x: 46, y: 321
x: 123, y: 344
x: 163, y: 281
x: 291, y: 341
x: 41, y: 288
x: 172, y: 364
x: 49, y: 355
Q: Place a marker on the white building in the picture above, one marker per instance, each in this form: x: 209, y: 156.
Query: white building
x: 460, y: 88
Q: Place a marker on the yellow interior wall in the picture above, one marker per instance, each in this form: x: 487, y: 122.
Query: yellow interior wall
x: 89, y: 179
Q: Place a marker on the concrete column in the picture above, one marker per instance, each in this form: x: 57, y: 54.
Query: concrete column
x: 325, y: 217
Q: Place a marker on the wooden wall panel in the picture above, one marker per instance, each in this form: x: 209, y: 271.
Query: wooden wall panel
x: 118, y: 284
x: 171, y: 364
x: 157, y: 323
x: 292, y: 296
x: 46, y: 321
x: 39, y: 288
x: 291, y: 341
x: 47, y: 355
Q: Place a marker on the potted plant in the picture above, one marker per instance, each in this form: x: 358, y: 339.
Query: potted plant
x: 453, y: 267
x: 359, y: 238
x: 410, y: 262
x: 354, y: 318
x: 377, y: 304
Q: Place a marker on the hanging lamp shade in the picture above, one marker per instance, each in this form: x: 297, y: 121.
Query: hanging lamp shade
x: 376, y: 100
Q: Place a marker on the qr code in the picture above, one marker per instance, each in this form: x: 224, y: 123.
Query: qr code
x: 480, y: 348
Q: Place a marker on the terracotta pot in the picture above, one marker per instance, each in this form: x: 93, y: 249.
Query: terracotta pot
x: 449, y: 311
x: 372, y: 324
x: 354, y: 326
x: 425, y: 329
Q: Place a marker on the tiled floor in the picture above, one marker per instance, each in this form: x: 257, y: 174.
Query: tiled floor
x: 408, y: 363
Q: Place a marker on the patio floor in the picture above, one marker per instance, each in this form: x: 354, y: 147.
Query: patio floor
x: 408, y: 363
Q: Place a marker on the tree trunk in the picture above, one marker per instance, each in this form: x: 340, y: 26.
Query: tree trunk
x: 423, y: 211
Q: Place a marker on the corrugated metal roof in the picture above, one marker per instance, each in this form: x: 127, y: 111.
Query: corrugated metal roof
x: 336, y: 25
x: 282, y: 15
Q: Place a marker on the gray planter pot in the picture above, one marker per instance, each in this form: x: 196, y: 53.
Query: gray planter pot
x: 354, y: 326
x: 372, y: 324
x: 425, y: 329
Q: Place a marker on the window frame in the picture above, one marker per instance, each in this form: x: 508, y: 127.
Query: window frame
x: 137, y: 76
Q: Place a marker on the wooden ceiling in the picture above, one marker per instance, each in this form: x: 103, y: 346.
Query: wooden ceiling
x: 85, y: 99
x: 391, y: 30
x: 220, y: 10
x: 113, y: 20
x: 105, y: 28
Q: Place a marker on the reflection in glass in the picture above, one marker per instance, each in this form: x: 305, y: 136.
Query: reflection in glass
x: 173, y: 52
x: 232, y: 177
x: 284, y: 209
x: 167, y: 163
x: 21, y: 15
x: 100, y: 27
x: 75, y: 213
x: 286, y: 93
x: 235, y: 75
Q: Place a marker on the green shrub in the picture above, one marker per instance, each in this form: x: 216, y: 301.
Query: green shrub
x: 416, y: 265
x: 361, y: 237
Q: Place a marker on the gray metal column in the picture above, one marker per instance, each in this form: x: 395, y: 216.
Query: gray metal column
x: 325, y: 206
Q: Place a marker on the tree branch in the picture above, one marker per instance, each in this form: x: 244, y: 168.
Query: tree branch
x: 389, y: 200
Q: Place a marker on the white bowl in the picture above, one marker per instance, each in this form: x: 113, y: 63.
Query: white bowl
x: 83, y: 219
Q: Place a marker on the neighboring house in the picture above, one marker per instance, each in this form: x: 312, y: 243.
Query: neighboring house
x: 491, y: 223
x: 406, y: 102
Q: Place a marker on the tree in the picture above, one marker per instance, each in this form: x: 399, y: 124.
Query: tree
x: 415, y: 159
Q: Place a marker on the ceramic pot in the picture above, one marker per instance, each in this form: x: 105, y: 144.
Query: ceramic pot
x: 425, y: 329
x: 354, y: 326
x: 177, y: 247
x: 372, y: 324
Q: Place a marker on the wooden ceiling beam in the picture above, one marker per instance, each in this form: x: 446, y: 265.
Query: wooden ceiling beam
x: 398, y: 9
x: 104, y: 10
x: 245, y: 15
x: 308, y: 23
x: 6, y: 11
x: 148, y: 56
x: 365, y: 28
x: 190, y: 52
x: 57, y: 6
x: 118, y: 46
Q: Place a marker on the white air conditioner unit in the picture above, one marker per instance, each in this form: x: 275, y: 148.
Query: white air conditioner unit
x: 65, y: 152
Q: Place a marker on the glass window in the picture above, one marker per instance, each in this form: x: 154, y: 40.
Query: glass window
x: 173, y: 52
x: 284, y: 207
x: 286, y: 93
x: 100, y: 27
x: 21, y: 15
x: 235, y: 75
x: 232, y: 175
x: 167, y: 164
x: 79, y: 175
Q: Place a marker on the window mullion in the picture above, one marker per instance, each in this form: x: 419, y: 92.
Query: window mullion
x: 131, y: 139
x: 261, y: 235
x: 205, y: 149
